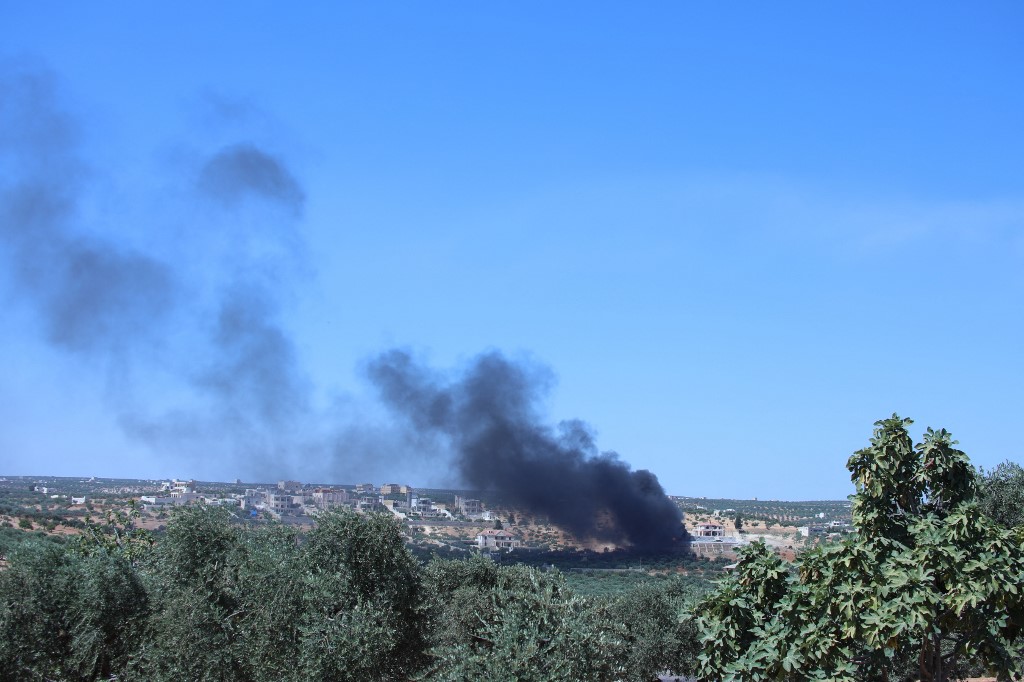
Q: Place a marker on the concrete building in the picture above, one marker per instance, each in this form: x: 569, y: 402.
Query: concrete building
x: 180, y: 485
x: 329, y: 498
x: 281, y: 503
x: 708, y: 530
x: 497, y: 539
x: 253, y: 497
x: 369, y: 503
x: 468, y: 506
x: 180, y: 497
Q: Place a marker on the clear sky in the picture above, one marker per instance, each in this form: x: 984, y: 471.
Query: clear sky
x: 736, y: 233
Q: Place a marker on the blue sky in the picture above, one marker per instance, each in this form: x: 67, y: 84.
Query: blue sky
x: 738, y: 235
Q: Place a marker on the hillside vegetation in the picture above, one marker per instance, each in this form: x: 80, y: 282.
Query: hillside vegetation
x: 930, y: 587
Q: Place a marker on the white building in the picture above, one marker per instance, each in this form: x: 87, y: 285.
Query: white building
x: 328, y: 498
x: 708, y: 530
x: 497, y: 539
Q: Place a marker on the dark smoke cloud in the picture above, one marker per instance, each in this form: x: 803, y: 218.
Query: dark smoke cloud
x: 93, y: 295
x: 490, y: 414
x: 244, y: 170
x: 243, y: 389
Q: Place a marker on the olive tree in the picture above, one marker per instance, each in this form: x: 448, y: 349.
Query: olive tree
x: 1002, y: 494
x: 514, y: 623
x: 362, y: 601
x: 68, y: 613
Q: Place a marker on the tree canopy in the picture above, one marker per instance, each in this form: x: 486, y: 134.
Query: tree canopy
x: 927, y: 578
x: 1002, y: 494
x: 215, y: 600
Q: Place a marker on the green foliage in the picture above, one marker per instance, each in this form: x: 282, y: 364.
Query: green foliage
x: 928, y: 578
x: 362, y: 600
x: 657, y: 632
x: 11, y: 539
x: 118, y: 534
x: 515, y: 622
x: 510, y: 623
x: 193, y: 577
x: 68, y: 615
x: 733, y: 617
x: 1002, y: 494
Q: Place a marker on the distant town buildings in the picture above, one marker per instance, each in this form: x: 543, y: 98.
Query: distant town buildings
x: 292, y: 501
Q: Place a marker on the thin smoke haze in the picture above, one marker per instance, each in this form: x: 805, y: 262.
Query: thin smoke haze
x: 117, y: 306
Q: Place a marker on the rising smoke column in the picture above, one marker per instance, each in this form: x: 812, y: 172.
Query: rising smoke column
x: 490, y: 416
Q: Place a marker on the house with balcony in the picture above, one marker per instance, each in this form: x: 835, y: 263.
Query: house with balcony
x: 708, y: 531
x: 497, y: 540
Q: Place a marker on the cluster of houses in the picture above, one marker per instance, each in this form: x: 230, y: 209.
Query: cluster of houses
x: 293, y: 499
x: 177, y: 493
x: 287, y: 499
x: 830, y: 529
x: 56, y: 496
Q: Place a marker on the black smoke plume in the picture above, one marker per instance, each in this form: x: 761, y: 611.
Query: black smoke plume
x: 490, y: 416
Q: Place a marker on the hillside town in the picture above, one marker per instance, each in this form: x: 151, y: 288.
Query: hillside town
x: 434, y: 519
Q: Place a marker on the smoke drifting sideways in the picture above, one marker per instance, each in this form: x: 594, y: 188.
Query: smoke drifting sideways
x: 138, y: 311
x: 489, y: 415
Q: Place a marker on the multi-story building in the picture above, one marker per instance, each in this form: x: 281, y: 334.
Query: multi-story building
x: 328, y: 498
x: 281, y: 503
x: 369, y: 503
x: 468, y: 506
x: 497, y: 539
x: 708, y: 530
